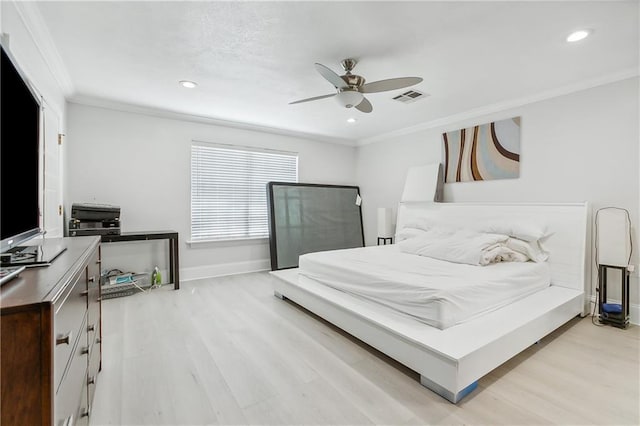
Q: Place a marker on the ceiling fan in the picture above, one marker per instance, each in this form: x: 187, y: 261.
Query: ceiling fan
x: 350, y: 87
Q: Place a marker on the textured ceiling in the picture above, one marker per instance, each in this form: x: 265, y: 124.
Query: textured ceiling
x: 251, y: 59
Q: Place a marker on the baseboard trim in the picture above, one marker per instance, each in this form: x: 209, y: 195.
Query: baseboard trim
x: 634, y: 310
x: 220, y: 270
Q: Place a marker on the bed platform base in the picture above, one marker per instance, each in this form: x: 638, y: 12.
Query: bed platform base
x: 446, y: 394
x: 449, y: 361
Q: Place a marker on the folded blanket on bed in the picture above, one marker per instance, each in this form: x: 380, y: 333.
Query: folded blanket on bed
x: 462, y: 246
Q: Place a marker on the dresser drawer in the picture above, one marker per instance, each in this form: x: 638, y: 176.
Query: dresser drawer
x: 93, y: 321
x: 72, y: 388
x: 92, y: 372
x: 70, y: 310
x: 81, y: 416
x: 84, y: 410
x: 93, y: 268
x: 93, y: 285
x: 93, y: 332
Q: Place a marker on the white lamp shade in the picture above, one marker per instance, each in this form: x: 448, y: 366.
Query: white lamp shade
x: 349, y: 98
x: 385, y: 222
x: 613, y: 230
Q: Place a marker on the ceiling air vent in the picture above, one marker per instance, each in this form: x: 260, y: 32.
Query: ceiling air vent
x: 410, y: 96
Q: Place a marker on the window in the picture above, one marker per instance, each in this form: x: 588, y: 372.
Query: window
x: 229, y: 189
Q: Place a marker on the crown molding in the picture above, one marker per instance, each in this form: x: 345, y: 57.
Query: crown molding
x: 503, y: 106
x: 35, y: 25
x: 174, y: 115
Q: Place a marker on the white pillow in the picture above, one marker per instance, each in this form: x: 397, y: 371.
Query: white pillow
x: 422, y: 230
x: 422, y: 223
x: 408, y: 232
x: 522, y: 231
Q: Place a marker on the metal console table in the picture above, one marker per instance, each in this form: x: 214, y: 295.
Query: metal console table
x: 171, y: 236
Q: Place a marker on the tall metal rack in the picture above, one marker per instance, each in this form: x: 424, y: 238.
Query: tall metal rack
x: 613, y: 314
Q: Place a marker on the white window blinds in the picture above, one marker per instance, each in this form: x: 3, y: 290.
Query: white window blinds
x: 229, y: 190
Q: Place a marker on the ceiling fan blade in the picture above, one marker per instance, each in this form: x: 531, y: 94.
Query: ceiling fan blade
x: 390, y: 84
x: 331, y: 77
x: 312, y: 99
x: 364, y: 106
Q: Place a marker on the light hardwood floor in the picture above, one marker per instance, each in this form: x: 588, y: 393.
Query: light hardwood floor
x: 226, y: 351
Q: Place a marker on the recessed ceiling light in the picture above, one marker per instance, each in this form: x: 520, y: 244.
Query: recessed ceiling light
x: 351, y: 120
x: 188, y: 84
x: 578, y: 35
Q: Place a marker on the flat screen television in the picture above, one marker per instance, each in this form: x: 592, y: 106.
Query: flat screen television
x: 19, y: 157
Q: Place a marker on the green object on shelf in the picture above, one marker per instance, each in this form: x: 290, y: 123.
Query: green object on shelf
x: 156, y: 277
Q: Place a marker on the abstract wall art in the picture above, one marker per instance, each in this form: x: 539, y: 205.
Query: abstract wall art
x: 485, y: 152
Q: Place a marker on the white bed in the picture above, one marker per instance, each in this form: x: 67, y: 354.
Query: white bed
x: 450, y: 361
x: 435, y: 292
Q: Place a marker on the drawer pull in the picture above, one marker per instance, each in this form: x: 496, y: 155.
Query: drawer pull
x: 91, y: 380
x: 84, y: 350
x: 67, y: 422
x: 84, y: 293
x: 84, y: 412
x: 63, y: 339
x: 99, y: 340
x: 91, y: 327
x: 92, y: 279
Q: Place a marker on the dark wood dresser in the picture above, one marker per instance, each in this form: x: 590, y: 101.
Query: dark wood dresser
x: 50, y: 341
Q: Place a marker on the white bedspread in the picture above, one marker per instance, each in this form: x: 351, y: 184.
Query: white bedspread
x: 436, y: 292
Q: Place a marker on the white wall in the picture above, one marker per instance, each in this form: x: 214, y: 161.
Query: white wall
x: 142, y: 163
x: 577, y: 147
x: 28, y: 55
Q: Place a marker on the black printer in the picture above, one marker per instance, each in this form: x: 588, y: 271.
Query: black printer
x: 94, y: 219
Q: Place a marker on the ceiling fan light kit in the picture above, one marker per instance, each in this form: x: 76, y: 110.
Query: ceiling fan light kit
x: 350, y: 87
x: 349, y: 98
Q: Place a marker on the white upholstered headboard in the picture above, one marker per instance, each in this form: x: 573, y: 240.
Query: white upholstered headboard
x: 567, y: 244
